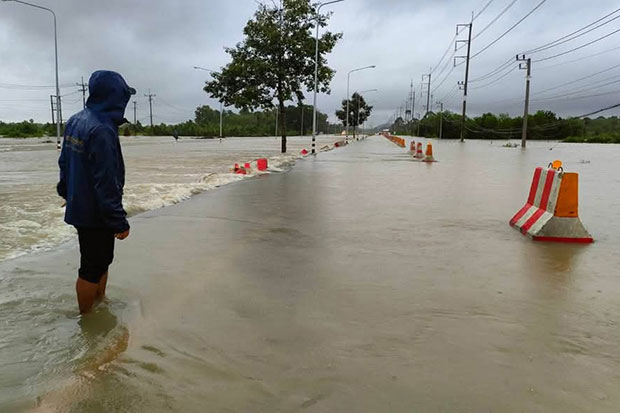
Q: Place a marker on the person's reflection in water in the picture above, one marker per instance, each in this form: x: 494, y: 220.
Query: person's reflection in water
x: 104, y: 337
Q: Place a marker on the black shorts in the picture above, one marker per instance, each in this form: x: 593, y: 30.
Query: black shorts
x: 96, y: 252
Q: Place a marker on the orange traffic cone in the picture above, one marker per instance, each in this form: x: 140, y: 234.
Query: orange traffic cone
x: 429, y: 154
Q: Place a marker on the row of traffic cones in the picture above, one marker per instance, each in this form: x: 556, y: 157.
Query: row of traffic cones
x: 395, y: 139
x: 261, y: 165
x: 416, y: 151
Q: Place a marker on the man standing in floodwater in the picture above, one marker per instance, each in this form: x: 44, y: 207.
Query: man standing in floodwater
x: 92, y: 177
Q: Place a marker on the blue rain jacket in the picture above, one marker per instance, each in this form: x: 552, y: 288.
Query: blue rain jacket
x: 92, y: 171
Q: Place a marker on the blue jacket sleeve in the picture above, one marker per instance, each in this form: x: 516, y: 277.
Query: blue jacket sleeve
x: 105, y: 169
x: 61, y: 187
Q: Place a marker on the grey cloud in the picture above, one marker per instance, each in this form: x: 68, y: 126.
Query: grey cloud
x: 154, y: 44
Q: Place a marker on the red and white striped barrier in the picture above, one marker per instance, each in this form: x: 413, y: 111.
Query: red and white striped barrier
x: 419, y: 154
x: 551, y: 211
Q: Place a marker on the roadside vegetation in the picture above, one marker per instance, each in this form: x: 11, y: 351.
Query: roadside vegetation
x: 543, y: 125
x: 206, y: 123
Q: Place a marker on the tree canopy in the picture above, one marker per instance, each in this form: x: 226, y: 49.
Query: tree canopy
x: 359, y: 111
x: 275, y: 61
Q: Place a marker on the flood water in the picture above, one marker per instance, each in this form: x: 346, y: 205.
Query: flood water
x: 160, y: 172
x: 357, y: 281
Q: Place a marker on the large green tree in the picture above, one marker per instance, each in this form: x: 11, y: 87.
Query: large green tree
x: 275, y: 61
x: 359, y: 111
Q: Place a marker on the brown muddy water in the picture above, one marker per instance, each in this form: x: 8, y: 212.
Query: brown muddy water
x: 357, y: 281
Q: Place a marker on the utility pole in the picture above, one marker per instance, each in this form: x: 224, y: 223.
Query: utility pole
x: 528, y: 67
x: 412, y: 98
x: 83, y: 89
x: 302, y: 119
x: 428, y: 93
x: 357, y: 121
x: 56, y: 107
x: 440, y: 120
x: 419, y: 121
x: 134, y: 113
x: 52, y: 102
x: 59, y: 109
x: 151, y: 96
x: 465, y: 83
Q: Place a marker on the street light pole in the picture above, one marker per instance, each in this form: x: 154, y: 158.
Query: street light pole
x: 348, y: 84
x: 316, y: 71
x: 221, y: 102
x: 58, y: 120
x: 358, y: 104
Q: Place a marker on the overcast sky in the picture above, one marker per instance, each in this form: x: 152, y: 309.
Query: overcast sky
x: 155, y: 43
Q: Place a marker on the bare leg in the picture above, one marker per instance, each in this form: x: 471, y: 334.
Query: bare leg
x: 86, y: 294
x: 101, y: 287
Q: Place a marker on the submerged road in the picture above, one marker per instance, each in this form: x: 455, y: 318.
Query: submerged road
x: 358, y: 281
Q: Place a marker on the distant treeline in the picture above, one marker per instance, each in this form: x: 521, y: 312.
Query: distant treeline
x: 27, y: 129
x: 206, y: 123
x: 245, y: 123
x: 543, y: 125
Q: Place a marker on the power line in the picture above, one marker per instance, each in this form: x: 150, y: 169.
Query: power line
x: 151, y: 96
x: 495, y: 19
x: 561, y: 40
x: 576, y: 92
x: 579, y: 47
x: 28, y: 87
x: 486, y: 6
x: 450, y: 93
x: 445, y: 54
x: 600, y: 110
x: 510, y: 29
x: 579, y: 59
x: 494, y: 71
x: 496, y: 80
x: 560, y: 86
x: 71, y: 93
x: 83, y: 88
x: 482, y: 10
x: 549, y: 45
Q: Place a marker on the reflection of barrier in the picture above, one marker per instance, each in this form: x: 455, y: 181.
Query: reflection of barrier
x: 552, y: 209
x: 429, y: 154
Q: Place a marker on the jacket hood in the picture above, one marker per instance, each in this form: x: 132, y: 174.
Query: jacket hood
x: 109, y: 95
